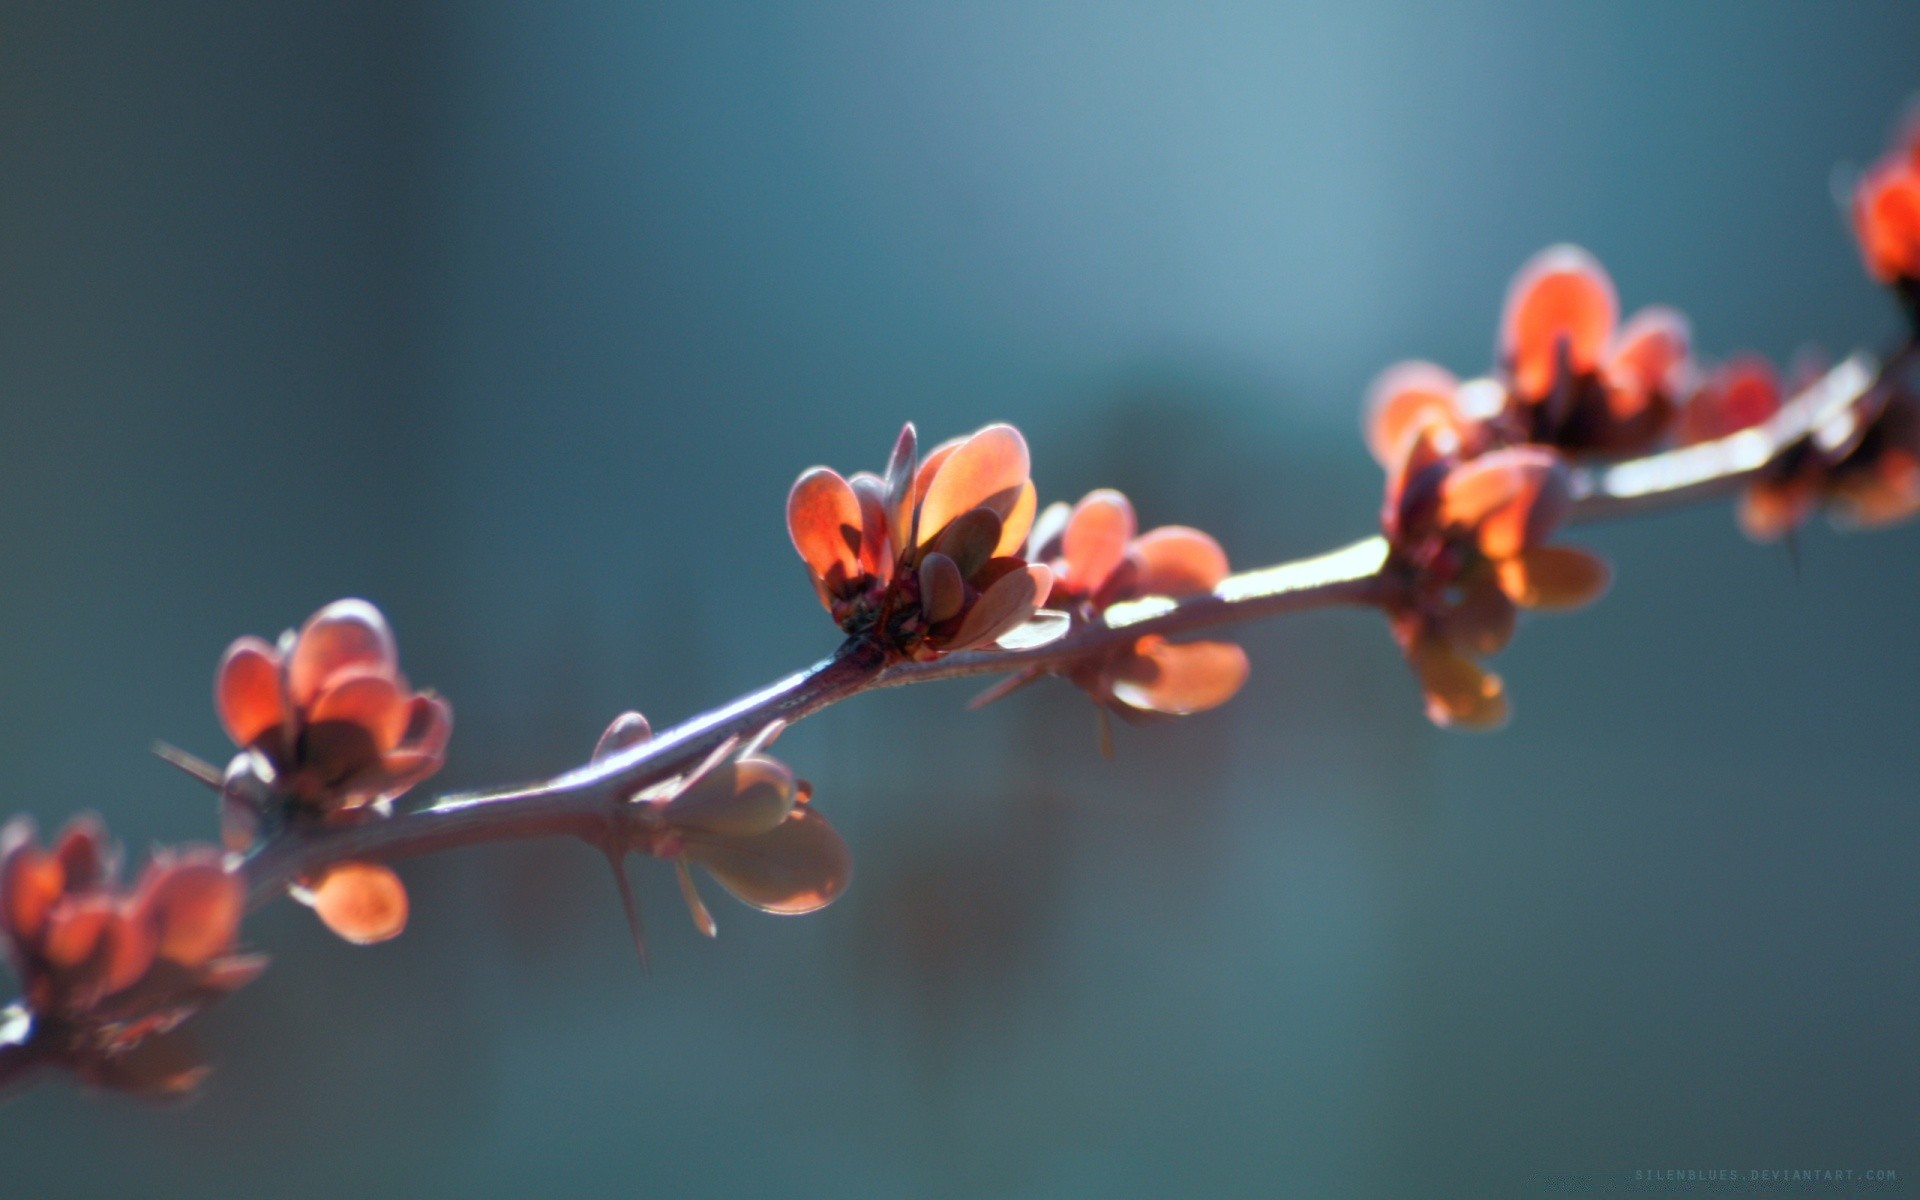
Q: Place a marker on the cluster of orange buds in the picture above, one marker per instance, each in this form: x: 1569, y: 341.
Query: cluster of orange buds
x: 1863, y: 467
x: 329, y: 730
x: 741, y: 816
x: 926, y: 559
x: 1099, y: 559
x: 1469, y: 540
x: 1886, y: 219
x: 1577, y: 380
x: 107, y: 975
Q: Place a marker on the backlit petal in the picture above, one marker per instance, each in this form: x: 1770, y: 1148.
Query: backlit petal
x: 988, y: 470
x: 247, y: 692
x: 370, y: 700
x: 876, y: 543
x: 800, y: 866
x: 1404, y: 398
x: 1886, y: 218
x: 347, y: 634
x: 1739, y: 395
x: 1554, y: 577
x: 362, y: 902
x: 1175, y: 560
x: 1095, y: 540
x: 1648, y: 358
x: 1511, y: 499
x: 30, y: 881
x: 903, y: 464
x: 194, y: 907
x: 1179, y: 678
x: 1561, y: 296
x: 1019, y: 522
x: 823, y: 518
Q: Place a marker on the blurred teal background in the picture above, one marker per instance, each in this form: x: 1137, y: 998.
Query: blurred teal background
x: 520, y: 319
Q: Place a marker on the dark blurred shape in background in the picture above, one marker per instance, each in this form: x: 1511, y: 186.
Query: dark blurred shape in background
x: 519, y: 320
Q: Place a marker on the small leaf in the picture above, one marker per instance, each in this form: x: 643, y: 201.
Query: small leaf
x: 801, y: 866
x: 345, y: 634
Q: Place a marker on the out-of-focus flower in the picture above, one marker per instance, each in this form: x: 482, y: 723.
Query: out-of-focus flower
x: 1099, y: 560
x: 107, y: 976
x: 1886, y: 218
x: 1469, y: 546
x: 742, y: 817
x: 1865, y: 471
x: 927, y: 559
x: 329, y: 729
x: 1576, y: 381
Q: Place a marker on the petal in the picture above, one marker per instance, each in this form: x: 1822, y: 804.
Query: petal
x: 1511, y: 499
x: 800, y: 866
x: 1177, y: 561
x: 902, y: 467
x: 628, y: 730
x: 1769, y: 511
x: 1043, y: 628
x: 1095, y: 540
x: 159, y: 1067
x: 370, y: 700
x: 969, y: 540
x: 82, y: 852
x: 362, y: 902
x: 1004, y: 606
x: 1180, y: 678
x: 247, y: 691
x: 823, y: 518
x: 1886, y: 218
x: 429, y: 725
x: 1648, y: 357
x: 1459, y: 692
x: 1742, y: 393
x: 1043, y: 540
x: 876, y: 544
x: 943, y: 593
x: 987, y: 470
x: 1403, y: 399
x: 1483, y: 618
x: 1554, y: 577
x: 74, y: 928
x: 194, y: 908
x: 745, y: 798
x: 1562, y: 296
x: 30, y: 881
x: 1019, y: 522
x: 347, y: 634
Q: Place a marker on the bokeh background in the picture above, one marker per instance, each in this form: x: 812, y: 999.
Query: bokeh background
x: 520, y: 319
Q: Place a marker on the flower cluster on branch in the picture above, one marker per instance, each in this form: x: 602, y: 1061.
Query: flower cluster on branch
x: 948, y: 566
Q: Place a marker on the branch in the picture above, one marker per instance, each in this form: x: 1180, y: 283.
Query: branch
x: 582, y: 802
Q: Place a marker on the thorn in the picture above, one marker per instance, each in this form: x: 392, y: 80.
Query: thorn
x: 761, y: 740
x: 635, y: 924
x: 702, y: 919
x: 1006, y: 687
x: 198, y: 768
x: 1106, y: 733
